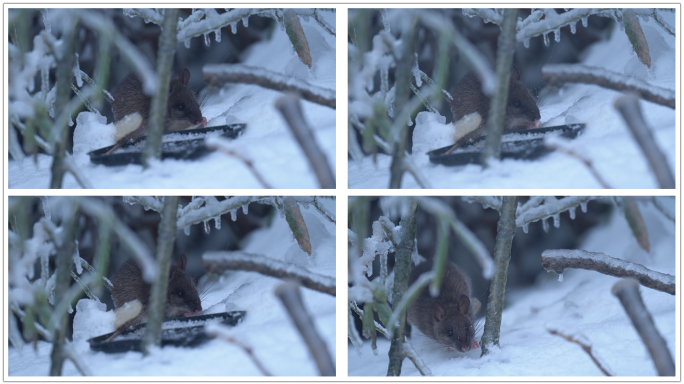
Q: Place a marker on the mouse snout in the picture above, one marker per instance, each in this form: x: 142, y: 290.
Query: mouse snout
x: 202, y: 122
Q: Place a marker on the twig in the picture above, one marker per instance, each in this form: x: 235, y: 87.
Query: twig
x: 627, y: 290
x: 220, y: 74
x: 378, y: 326
x: 215, y: 143
x: 554, y: 144
x: 214, y: 331
x: 415, y: 358
x: 291, y: 109
x: 558, y: 260
x: 559, y: 74
x: 219, y: 261
x: 289, y: 294
x: 583, y: 342
x: 628, y: 106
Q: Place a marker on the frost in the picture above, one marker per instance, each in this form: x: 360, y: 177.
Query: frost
x: 76, y: 259
x: 560, y: 277
x: 46, y: 207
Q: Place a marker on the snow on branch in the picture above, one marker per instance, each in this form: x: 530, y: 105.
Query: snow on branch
x: 559, y: 74
x: 493, y: 202
x: 219, y: 261
x: 213, y: 209
x: 220, y: 74
x: 558, y: 260
x: 148, y: 202
x: 415, y: 358
x: 628, y: 106
x: 627, y: 290
x: 586, y: 345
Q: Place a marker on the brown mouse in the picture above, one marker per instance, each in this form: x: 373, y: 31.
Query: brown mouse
x: 182, y: 112
x: 521, y: 111
x: 448, y: 318
x: 182, y: 298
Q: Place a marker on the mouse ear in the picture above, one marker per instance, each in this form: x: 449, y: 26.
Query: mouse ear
x: 515, y: 73
x: 184, y: 76
x: 182, y: 262
x: 438, y: 312
x: 464, y: 304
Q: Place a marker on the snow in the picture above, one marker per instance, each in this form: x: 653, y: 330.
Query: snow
x: 266, y: 328
x: 267, y: 141
x: 606, y: 140
x: 582, y: 304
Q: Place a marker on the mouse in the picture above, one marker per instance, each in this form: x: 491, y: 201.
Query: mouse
x: 522, y: 111
x: 182, y: 298
x: 182, y: 112
x: 448, y: 318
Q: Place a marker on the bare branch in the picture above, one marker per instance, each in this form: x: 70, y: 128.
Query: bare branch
x: 219, y: 331
x: 627, y: 290
x: 558, y: 260
x: 583, y: 342
x: 216, y: 143
x: 289, y: 294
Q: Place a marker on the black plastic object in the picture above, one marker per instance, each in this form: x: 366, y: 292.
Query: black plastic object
x: 180, y: 337
x: 181, y: 149
x: 529, y: 149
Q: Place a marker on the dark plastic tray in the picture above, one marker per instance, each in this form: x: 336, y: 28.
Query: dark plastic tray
x: 519, y: 149
x: 181, y: 149
x: 180, y: 337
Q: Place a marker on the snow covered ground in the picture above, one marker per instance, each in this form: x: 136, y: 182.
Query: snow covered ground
x: 606, y: 139
x: 266, y: 329
x: 267, y: 140
x: 582, y: 303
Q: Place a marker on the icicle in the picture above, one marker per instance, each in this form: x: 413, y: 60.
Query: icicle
x: 245, y: 21
x: 187, y: 43
x: 71, y: 122
x: 526, y: 42
x: 556, y: 220
x: 557, y: 35
x: 245, y: 208
x: 526, y: 227
x: 76, y: 259
x: 206, y: 227
x: 585, y: 19
x: 560, y: 277
x: 46, y: 20
x: 217, y: 35
x: 233, y: 214
x: 546, y: 39
x: 233, y: 27
x: 217, y: 222
x: 369, y: 269
x: 583, y: 205
x: 573, y: 27
x: 545, y: 225
x: 572, y: 213
x: 207, y: 41
x: 186, y: 230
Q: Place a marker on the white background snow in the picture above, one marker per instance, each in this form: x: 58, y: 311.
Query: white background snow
x: 266, y: 328
x: 582, y: 303
x: 267, y: 140
x: 606, y: 140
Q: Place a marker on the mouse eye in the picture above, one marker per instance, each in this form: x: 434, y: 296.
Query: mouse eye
x: 180, y: 107
x: 180, y: 293
x: 450, y: 333
x: 516, y: 104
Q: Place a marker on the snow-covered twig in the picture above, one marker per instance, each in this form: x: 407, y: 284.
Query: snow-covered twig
x: 559, y: 74
x: 222, y: 332
x: 290, y: 107
x: 628, y: 106
x: 415, y: 358
x: 148, y: 202
x: 149, y: 15
x: 220, y: 74
x: 327, y: 214
x: 505, y: 230
x: 360, y: 312
x: 552, y: 207
x: 213, y: 209
x: 627, y: 290
x: 327, y: 27
x: 218, y: 21
x: 493, y: 202
x: 411, y: 168
x: 219, y: 261
x: 663, y: 209
x: 289, y: 294
x: 217, y: 143
x: 586, y: 345
x: 555, y: 143
x: 558, y: 260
